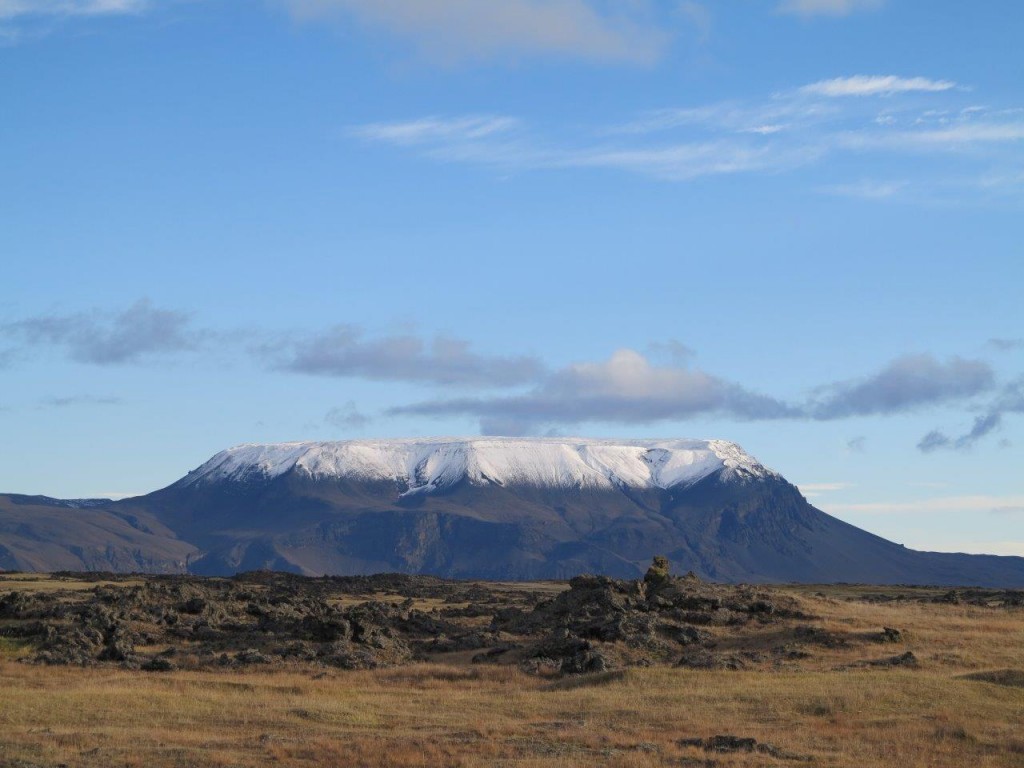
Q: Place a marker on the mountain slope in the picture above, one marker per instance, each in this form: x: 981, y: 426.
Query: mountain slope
x: 38, y: 533
x: 506, y: 509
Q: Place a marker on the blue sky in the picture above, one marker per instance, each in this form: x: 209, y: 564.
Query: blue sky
x: 795, y: 224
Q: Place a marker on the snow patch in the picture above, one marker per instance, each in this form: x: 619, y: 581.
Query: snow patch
x: 423, y: 465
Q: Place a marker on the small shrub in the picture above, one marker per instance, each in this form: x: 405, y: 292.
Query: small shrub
x: 659, y: 570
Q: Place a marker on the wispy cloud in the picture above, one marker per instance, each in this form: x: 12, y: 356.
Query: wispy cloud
x: 1003, y: 547
x: 978, y: 503
x: 108, y: 338
x: 22, y: 20
x: 699, y: 16
x: 983, y: 426
x: 347, y: 417
x: 1001, y: 179
x: 345, y: 351
x: 950, y: 138
x: 683, y: 162
x: 435, y: 129
x: 1010, y: 400
x: 77, y: 400
x: 868, y: 190
x: 453, y: 31
x: 1006, y: 345
x: 781, y: 113
x: 113, y: 494
x: 13, y: 9
x: 507, y: 144
x: 813, y: 490
x: 874, y: 85
x: 828, y: 7
x: 805, y: 127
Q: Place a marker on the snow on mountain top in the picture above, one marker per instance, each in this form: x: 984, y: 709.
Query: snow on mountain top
x: 422, y: 465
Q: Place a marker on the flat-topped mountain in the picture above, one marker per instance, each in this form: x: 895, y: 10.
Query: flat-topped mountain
x: 497, y: 508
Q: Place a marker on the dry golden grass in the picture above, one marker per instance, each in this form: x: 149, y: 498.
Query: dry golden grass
x: 44, y: 582
x: 470, y: 715
x: 433, y: 715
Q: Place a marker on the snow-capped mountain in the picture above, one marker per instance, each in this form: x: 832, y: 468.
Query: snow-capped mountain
x: 499, y: 508
x: 429, y: 464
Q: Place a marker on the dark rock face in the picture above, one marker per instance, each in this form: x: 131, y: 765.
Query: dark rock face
x: 723, y: 528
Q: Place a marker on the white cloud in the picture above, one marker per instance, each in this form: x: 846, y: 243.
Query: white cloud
x: 962, y: 134
x: 682, y: 162
x: 110, y: 338
x: 1014, y: 511
x: 457, y: 30
x: 827, y: 7
x: 777, y: 114
x: 786, y: 130
x: 25, y: 20
x: 998, y: 180
x: 979, y: 503
x: 426, y: 129
x: 627, y: 388
x: 905, y: 383
x: 875, y: 85
x: 114, y: 495
x: 868, y: 190
x: 812, y: 490
x: 13, y: 9
x: 347, y: 417
x: 980, y: 547
x: 951, y: 138
x: 505, y: 142
x: 344, y: 351
x: 699, y: 17
x: 764, y: 130
x: 628, y: 374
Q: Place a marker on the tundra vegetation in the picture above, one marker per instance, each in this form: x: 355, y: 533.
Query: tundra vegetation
x: 391, y: 670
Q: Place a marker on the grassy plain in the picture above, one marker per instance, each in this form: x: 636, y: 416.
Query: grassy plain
x: 828, y: 711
